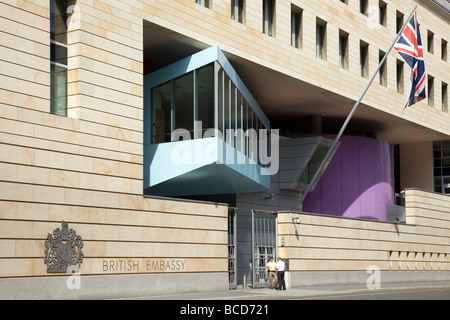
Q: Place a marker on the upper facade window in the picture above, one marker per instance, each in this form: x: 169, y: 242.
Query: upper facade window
x: 207, y: 101
x: 363, y: 7
x: 321, y: 34
x: 296, y: 27
x: 181, y: 102
x: 343, y: 49
x: 205, y: 3
x: 58, y: 57
x: 237, y: 10
x: 268, y: 17
x: 202, y: 125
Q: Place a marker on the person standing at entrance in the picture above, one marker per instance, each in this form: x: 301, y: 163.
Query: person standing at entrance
x: 280, y: 274
x: 271, y: 271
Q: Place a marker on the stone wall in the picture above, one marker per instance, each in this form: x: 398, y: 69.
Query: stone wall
x: 326, y: 249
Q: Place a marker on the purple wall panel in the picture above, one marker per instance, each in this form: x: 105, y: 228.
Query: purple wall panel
x: 358, y: 182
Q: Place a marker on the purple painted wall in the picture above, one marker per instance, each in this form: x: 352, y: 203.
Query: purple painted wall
x: 358, y: 182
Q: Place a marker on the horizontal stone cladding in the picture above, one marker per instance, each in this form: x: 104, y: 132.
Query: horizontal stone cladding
x: 321, y: 243
x: 186, y: 236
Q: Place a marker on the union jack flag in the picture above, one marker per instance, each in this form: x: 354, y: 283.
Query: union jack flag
x: 409, y: 46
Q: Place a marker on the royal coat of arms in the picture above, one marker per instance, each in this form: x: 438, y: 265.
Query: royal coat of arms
x: 63, y: 249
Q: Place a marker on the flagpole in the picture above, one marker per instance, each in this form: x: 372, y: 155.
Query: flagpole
x: 333, y: 145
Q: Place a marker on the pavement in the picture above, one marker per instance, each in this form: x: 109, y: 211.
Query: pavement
x: 309, y: 292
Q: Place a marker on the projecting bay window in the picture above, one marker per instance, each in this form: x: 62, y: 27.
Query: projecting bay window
x: 58, y: 57
x: 203, y: 130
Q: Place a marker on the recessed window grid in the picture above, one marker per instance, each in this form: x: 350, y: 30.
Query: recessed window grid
x: 268, y: 17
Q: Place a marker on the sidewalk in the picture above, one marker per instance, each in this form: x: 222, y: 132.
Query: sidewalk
x: 295, y: 293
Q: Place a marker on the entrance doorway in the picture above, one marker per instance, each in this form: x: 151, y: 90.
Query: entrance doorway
x: 264, y: 244
x: 232, y: 236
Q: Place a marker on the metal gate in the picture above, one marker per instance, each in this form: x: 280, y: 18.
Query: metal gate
x: 264, y: 240
x: 232, y: 236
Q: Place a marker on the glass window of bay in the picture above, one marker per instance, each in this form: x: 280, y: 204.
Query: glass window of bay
x: 58, y: 57
x: 162, y: 113
x: 205, y: 99
x: 343, y: 49
x: 183, y: 108
x: 237, y: 122
x: 188, y: 103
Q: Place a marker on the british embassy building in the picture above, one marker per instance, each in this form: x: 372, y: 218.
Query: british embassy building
x: 171, y: 146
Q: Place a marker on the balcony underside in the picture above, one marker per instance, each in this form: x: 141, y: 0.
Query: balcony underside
x: 201, y: 167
